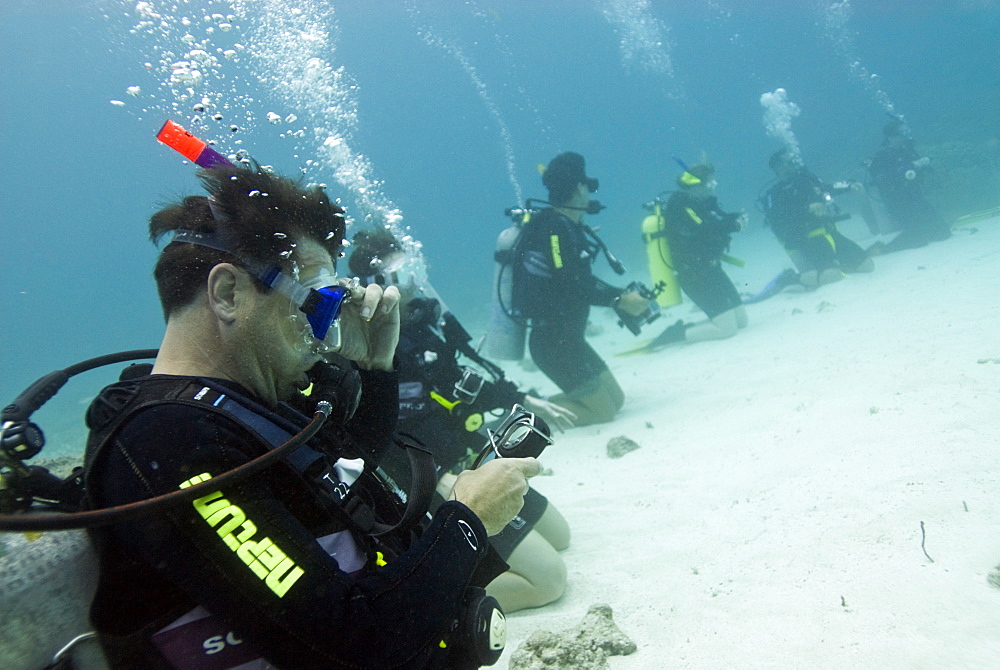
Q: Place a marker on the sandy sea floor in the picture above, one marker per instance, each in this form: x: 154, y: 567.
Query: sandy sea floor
x: 772, y: 517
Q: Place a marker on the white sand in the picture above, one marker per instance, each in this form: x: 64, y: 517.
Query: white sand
x: 772, y: 517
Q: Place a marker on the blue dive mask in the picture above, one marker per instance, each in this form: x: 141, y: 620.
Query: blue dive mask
x: 318, y: 302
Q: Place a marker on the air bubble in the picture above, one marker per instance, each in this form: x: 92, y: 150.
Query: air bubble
x: 273, y: 118
x: 117, y: 103
x: 133, y: 91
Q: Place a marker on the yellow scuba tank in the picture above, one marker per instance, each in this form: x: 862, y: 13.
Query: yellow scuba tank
x: 661, y: 267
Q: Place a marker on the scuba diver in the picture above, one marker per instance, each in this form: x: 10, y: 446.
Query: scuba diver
x: 897, y: 171
x: 698, y: 233
x: 318, y: 559
x: 553, y: 287
x: 799, y: 208
x: 447, y: 404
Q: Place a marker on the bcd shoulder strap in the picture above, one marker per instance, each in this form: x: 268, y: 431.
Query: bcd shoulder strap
x: 121, y: 401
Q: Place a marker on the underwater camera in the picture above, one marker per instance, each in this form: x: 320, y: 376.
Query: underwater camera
x: 635, y: 322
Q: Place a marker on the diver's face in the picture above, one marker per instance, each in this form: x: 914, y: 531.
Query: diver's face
x: 400, y: 270
x: 704, y: 190
x: 287, y: 350
x: 581, y: 197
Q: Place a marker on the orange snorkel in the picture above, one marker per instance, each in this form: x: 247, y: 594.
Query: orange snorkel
x: 195, y: 150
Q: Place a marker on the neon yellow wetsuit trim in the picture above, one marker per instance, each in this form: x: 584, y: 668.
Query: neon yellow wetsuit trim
x: 264, y: 558
x: 817, y: 232
x: 556, y: 253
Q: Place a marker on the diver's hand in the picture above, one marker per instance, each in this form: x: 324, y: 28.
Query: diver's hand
x: 495, y: 491
x: 818, y: 208
x: 370, y: 323
x: 631, y: 303
x: 554, y: 414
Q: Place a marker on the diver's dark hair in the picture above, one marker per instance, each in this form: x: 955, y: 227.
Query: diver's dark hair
x: 780, y: 157
x: 265, y: 213
x: 368, y: 246
x: 562, y: 176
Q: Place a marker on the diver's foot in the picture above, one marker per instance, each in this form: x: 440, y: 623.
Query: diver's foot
x: 867, y: 265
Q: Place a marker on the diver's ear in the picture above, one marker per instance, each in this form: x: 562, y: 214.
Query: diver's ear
x: 226, y: 283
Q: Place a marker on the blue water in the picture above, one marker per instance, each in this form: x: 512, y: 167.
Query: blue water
x: 447, y: 108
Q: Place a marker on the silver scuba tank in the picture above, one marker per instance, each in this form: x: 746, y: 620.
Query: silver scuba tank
x: 505, y: 339
x: 47, y: 581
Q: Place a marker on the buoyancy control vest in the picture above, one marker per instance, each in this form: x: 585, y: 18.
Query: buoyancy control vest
x: 366, y: 502
x: 332, y: 480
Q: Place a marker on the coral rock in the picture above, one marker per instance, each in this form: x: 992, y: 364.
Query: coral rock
x: 586, y: 647
x: 621, y: 445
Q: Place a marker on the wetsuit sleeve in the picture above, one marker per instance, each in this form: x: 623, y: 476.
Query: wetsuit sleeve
x: 498, y: 395
x: 374, y: 422
x: 603, y: 294
x: 247, y: 553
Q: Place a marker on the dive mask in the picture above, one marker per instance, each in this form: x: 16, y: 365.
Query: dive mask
x: 316, y: 303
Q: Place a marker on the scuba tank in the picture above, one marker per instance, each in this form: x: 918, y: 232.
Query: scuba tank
x: 661, y: 266
x: 47, y: 581
x: 507, y: 332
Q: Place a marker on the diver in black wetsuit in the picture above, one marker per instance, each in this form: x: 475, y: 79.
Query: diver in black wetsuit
x: 800, y: 210
x: 699, y: 232
x: 554, y: 287
x: 286, y: 565
x: 897, y: 171
x: 446, y: 405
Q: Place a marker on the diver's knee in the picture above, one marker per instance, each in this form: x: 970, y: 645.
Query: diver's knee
x: 549, y: 584
x: 613, y: 390
x: 555, y: 585
x: 742, y: 319
x: 829, y: 276
x: 727, y: 323
x: 604, y: 412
